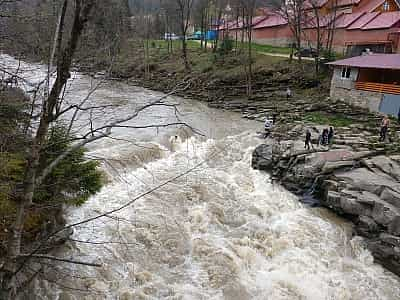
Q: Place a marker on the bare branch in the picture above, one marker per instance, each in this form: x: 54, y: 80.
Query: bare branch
x: 67, y: 260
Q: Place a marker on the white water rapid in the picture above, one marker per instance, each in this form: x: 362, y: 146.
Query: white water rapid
x: 223, y: 231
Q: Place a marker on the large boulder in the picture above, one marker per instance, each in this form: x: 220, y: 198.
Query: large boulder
x: 386, y: 250
x: 366, y: 226
x: 262, y: 158
x: 384, y: 213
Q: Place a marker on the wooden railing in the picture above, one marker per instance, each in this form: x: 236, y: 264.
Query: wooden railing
x: 378, y: 87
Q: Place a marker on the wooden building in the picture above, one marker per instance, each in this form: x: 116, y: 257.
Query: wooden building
x: 370, y: 80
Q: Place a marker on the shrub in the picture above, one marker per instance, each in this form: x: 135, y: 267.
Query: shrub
x: 226, y: 46
x: 74, y: 179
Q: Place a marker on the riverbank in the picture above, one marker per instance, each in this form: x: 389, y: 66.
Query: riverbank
x: 357, y: 177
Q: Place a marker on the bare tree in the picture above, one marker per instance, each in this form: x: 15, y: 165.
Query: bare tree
x: 317, y: 24
x: 52, y: 109
x: 293, y: 12
x: 248, y: 7
x: 184, y: 11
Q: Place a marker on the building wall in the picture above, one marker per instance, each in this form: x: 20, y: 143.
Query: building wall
x: 275, y: 36
x: 344, y: 89
x: 343, y: 37
x: 282, y: 36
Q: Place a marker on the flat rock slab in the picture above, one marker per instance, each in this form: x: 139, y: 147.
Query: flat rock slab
x: 331, y: 166
x: 335, y: 155
x: 385, y: 164
x: 364, y: 179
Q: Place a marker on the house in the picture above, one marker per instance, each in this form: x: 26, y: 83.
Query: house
x: 371, y: 80
x: 350, y: 26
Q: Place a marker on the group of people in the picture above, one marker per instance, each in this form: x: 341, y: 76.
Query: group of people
x: 327, y: 134
x: 324, y: 139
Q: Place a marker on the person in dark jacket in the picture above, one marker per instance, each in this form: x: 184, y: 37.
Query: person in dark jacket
x: 308, y: 143
x: 331, y: 133
x: 325, y: 134
x: 398, y: 115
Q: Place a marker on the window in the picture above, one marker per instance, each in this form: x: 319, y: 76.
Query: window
x: 346, y: 71
x: 386, y: 6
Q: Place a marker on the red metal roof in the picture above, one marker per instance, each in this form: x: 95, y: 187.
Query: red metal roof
x: 271, y: 21
x: 347, y: 2
x: 363, y: 20
x: 371, y: 5
x: 373, y: 61
x: 347, y: 19
x: 255, y: 21
x: 384, y: 20
x: 323, y: 21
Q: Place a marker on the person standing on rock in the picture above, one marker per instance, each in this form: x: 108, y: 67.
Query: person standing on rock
x: 331, y: 133
x: 268, y: 126
x: 308, y: 143
x: 288, y: 93
x: 325, y: 137
x: 398, y: 115
x: 384, y: 128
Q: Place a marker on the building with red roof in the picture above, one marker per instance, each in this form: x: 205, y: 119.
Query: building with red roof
x: 356, y: 25
x: 371, y: 80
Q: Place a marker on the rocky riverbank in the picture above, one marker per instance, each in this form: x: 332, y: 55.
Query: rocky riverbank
x: 356, y: 176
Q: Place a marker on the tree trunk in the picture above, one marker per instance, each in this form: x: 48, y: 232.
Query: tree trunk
x: 64, y: 61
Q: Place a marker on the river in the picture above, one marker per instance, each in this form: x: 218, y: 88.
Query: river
x: 223, y: 231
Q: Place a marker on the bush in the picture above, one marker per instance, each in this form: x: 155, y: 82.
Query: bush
x: 74, y: 179
x: 226, y: 46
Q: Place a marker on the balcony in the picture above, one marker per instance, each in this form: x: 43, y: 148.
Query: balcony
x: 382, y: 88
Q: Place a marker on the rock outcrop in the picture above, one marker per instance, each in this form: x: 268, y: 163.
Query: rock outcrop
x: 355, y: 178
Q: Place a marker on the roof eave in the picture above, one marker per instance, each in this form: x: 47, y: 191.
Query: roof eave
x: 362, y: 67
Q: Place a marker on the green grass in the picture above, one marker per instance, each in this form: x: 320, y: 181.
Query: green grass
x: 268, y: 48
x: 162, y: 44
x: 332, y: 120
x: 271, y: 49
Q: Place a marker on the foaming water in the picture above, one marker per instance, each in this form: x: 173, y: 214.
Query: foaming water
x: 223, y: 231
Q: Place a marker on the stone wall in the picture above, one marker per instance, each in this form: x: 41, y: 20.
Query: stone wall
x: 344, y: 89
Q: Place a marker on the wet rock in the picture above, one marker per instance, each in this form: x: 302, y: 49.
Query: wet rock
x: 364, y: 179
x: 384, y: 213
x: 386, y: 250
x: 391, y: 197
x: 332, y: 199
x: 385, y: 164
x: 330, y: 167
x: 330, y: 185
x: 394, y: 226
x: 366, y: 226
x: 262, y: 158
x: 354, y: 207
